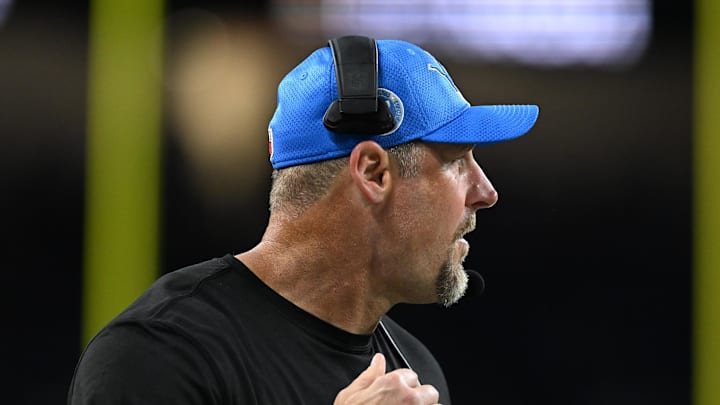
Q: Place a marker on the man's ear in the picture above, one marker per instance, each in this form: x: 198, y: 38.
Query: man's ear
x: 370, y: 170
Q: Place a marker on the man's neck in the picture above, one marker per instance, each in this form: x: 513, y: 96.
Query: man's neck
x: 332, y: 281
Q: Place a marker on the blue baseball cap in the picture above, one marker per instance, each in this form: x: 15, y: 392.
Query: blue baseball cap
x: 422, y: 97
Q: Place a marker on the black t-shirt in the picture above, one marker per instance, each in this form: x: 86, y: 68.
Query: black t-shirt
x: 214, y: 333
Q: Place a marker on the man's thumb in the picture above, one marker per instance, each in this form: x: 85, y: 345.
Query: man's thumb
x: 374, y: 370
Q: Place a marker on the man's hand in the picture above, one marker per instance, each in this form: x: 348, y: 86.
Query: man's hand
x: 374, y: 386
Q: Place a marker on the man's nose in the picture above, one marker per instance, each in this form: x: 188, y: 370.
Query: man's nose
x: 482, y: 194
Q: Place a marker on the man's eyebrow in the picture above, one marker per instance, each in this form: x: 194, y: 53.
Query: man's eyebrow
x: 455, y: 151
x: 463, y: 148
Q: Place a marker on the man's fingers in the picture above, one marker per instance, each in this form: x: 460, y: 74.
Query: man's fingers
x: 405, y: 376
x: 377, y: 365
x: 428, y: 394
x: 374, y: 386
x: 403, y: 385
x: 374, y: 370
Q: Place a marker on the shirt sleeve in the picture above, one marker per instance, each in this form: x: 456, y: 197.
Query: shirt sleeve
x: 140, y: 363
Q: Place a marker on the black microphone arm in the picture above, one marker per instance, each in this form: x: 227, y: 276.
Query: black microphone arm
x: 476, y: 284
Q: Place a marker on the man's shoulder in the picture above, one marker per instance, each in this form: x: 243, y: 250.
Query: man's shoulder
x: 189, y: 278
x: 186, y: 330
x: 204, y: 296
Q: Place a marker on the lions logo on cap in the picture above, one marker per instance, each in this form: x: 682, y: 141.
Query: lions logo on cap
x: 396, y: 107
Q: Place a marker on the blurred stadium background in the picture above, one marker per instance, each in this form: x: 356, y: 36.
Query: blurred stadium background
x: 133, y: 142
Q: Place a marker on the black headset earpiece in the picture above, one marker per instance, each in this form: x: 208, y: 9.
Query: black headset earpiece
x: 357, y: 109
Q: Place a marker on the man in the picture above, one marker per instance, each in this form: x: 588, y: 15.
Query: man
x: 374, y: 186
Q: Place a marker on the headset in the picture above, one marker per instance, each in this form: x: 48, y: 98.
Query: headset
x: 357, y: 109
x: 394, y: 345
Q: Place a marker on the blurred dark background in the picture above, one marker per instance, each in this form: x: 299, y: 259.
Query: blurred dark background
x: 587, y: 256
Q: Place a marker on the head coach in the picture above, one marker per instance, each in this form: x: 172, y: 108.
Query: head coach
x: 374, y: 186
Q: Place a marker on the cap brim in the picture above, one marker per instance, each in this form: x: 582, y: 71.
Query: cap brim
x: 487, y: 124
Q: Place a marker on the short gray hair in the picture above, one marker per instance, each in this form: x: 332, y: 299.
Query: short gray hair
x: 296, y: 188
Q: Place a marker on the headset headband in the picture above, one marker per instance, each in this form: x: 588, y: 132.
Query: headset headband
x: 357, y: 110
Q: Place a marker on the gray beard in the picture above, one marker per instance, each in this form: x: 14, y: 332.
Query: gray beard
x: 452, y: 284
x: 453, y: 280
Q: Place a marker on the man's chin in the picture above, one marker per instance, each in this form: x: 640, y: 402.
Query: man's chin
x: 452, y: 284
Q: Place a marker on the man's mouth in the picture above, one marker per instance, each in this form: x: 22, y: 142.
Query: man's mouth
x: 468, y: 226
x: 464, y: 248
